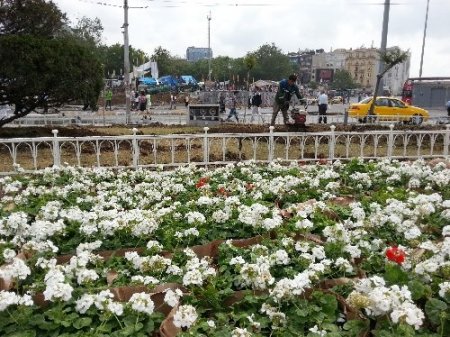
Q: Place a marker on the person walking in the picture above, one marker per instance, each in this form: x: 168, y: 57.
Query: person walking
x: 142, y: 101
x: 448, y: 108
x: 173, y: 101
x: 322, y: 100
x: 149, y: 100
x: 283, y: 96
x: 108, y: 99
x: 256, y: 101
x: 233, y: 105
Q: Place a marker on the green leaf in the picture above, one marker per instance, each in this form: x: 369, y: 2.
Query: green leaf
x: 434, y: 308
x: 395, y: 275
x: 26, y: 333
x: 82, y: 322
x: 417, y: 289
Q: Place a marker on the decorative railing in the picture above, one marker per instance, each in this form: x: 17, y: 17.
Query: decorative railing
x: 218, y: 148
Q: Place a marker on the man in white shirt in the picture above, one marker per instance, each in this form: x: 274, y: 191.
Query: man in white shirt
x: 322, y: 101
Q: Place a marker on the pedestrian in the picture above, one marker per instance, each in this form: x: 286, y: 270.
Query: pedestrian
x: 283, y: 96
x: 149, y: 100
x: 359, y: 97
x: 142, y: 101
x: 322, y: 100
x: 173, y: 101
x: 448, y: 108
x: 256, y: 101
x: 136, y: 101
x: 233, y: 105
x: 186, y: 101
x: 108, y: 99
x: 222, y: 103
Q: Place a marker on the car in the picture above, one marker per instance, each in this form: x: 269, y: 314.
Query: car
x: 388, y: 108
x: 336, y: 100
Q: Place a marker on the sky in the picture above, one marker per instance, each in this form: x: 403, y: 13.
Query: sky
x: 241, y: 26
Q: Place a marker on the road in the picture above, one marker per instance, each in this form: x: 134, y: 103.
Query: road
x: 74, y: 115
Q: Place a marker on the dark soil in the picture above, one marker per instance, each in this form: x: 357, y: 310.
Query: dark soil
x: 76, y: 131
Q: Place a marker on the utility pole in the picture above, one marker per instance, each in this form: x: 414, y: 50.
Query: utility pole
x: 384, y: 34
x: 126, y: 61
x: 209, y: 45
x: 424, y: 36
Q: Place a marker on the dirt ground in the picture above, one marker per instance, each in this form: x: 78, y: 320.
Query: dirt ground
x: 158, y: 128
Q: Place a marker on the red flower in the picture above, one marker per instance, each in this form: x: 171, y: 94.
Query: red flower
x: 396, y: 255
x: 202, y: 182
x: 222, y: 191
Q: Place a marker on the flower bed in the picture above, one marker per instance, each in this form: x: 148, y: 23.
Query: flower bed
x: 356, y: 249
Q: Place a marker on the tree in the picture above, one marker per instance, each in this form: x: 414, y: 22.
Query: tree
x: 43, y: 63
x: 390, y: 59
x: 163, y: 58
x: 271, y: 63
x: 343, y: 80
x: 89, y: 30
x: 31, y: 17
x: 41, y: 73
x: 250, y: 62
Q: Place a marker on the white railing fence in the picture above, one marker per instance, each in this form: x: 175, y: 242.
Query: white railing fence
x: 218, y: 148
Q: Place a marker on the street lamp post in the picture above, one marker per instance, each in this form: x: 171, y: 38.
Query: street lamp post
x: 126, y: 61
x: 209, y: 46
x: 424, y: 36
x: 384, y: 34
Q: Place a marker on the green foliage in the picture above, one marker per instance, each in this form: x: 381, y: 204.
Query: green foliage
x: 39, y: 73
x: 31, y: 17
x: 271, y: 63
x: 343, y: 80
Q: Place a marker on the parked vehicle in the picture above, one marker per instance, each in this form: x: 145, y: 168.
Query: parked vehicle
x: 426, y: 92
x: 388, y: 108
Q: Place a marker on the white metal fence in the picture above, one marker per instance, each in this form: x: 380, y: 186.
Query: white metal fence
x: 208, y: 149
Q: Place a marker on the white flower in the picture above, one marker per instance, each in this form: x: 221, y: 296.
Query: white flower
x: 410, y: 313
x: 280, y: 257
x: 446, y: 231
x: 238, y: 332
x: 8, y: 255
x: 8, y: 298
x: 115, y: 307
x: 315, y: 330
x: 84, y: 303
x: 152, y: 244
x: 142, y: 302
x: 444, y: 288
x: 172, y: 298
x: 15, y: 270
x: 211, y: 324
x: 185, y: 316
x: 304, y: 224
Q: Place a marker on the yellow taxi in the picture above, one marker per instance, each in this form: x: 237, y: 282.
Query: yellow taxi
x: 387, y: 109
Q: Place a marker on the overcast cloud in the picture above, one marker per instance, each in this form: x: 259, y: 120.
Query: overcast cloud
x: 240, y: 26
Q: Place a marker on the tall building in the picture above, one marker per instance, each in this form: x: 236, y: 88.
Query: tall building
x: 363, y: 64
x: 195, y: 54
x: 303, y: 60
x: 324, y: 65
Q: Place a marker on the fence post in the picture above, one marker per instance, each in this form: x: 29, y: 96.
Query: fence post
x: 56, y: 151
x: 271, y: 142
x: 345, y: 116
x: 446, y: 140
x: 135, y: 148
x: 390, y: 141
x: 205, y: 146
x: 332, y: 144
